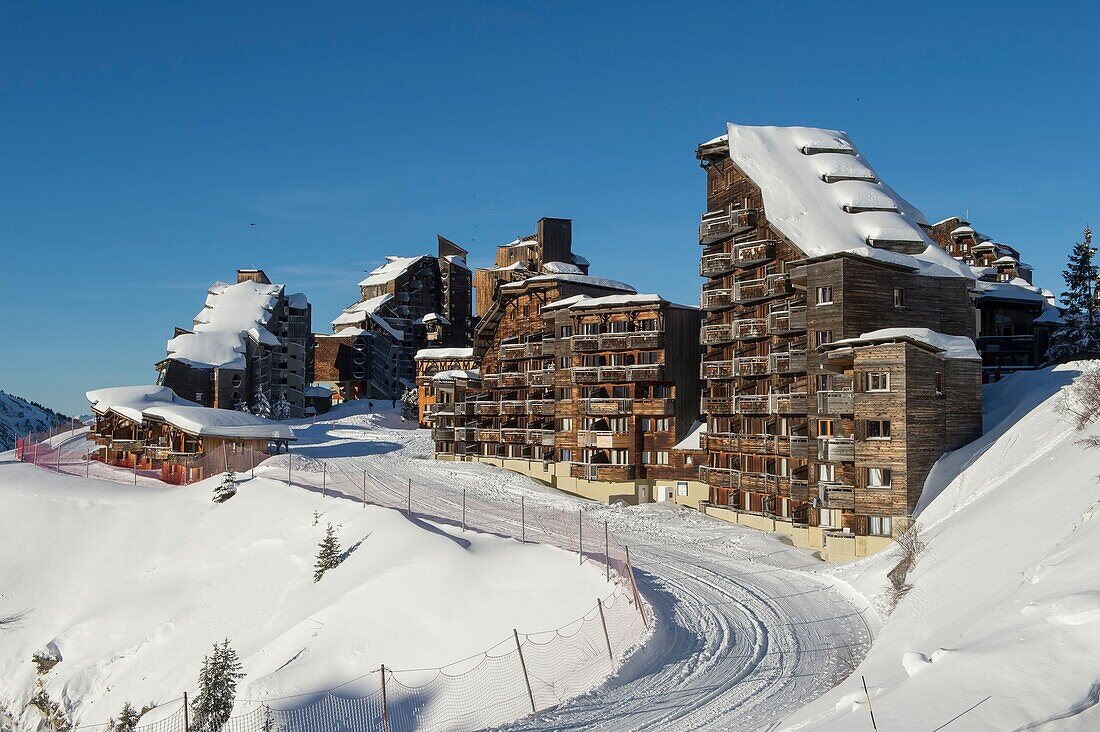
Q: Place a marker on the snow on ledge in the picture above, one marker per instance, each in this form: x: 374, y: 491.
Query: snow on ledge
x: 427, y: 354
x: 957, y: 347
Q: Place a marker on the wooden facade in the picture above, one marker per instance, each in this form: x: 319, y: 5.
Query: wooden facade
x: 429, y: 363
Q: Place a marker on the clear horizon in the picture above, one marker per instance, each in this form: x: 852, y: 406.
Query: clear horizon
x: 155, y: 149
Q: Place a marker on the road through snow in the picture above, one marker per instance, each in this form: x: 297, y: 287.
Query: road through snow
x: 746, y: 632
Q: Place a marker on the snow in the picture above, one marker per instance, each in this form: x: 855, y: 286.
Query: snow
x: 434, y: 317
x: 218, y: 422
x: 514, y: 267
x: 693, y: 440
x: 561, y: 268
x: 319, y: 392
x: 298, y: 301
x: 578, y: 279
x: 613, y: 300
x: 959, y: 347
x: 433, y: 353
x: 140, y: 580
x: 358, y: 312
x: 458, y: 260
x: 1003, y: 623
x: 131, y: 401
x: 451, y: 374
x: 1005, y: 260
x: 229, y: 312
x: 961, y: 230
x: 1015, y: 289
x: 1051, y: 315
x: 810, y: 212
x: 579, y: 260
x: 19, y: 417
x: 391, y: 270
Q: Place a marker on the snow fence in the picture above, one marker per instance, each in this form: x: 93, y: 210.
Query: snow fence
x: 526, y: 673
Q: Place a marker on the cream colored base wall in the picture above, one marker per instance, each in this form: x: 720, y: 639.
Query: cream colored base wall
x: 832, y: 546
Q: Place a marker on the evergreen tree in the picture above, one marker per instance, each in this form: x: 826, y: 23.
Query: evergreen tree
x: 240, y: 405
x: 1081, y: 333
x: 127, y: 720
x: 281, y: 410
x: 227, y: 488
x: 261, y: 407
x: 410, y: 404
x: 213, y: 705
x: 328, y: 554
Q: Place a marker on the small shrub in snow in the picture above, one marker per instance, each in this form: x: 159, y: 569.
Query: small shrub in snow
x: 410, y: 404
x: 227, y: 488
x: 281, y: 410
x: 261, y: 406
x: 328, y: 554
x: 127, y: 720
x: 213, y: 705
x: 911, y: 546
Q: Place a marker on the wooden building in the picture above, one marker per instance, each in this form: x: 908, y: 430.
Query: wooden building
x: 433, y: 361
x: 250, y: 338
x: 803, y: 246
x: 1015, y: 318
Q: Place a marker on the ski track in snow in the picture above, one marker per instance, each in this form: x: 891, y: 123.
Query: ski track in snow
x: 746, y: 629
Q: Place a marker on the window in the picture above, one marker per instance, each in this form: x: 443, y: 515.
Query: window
x: 564, y: 362
x: 821, y: 337
x: 878, y: 382
x: 662, y: 457
x: 826, y: 473
x: 660, y: 391
x: 566, y: 331
x: 618, y: 326
x: 620, y: 457
x: 526, y: 310
x: 878, y: 429
x: 620, y: 392
x: 565, y: 424
x: 939, y: 383
x: 879, y: 526
x: 647, y: 458
x: 830, y: 518
x: 563, y: 394
x: 646, y: 325
x: 899, y: 297
x: 825, y: 295
x: 824, y: 428
x: 824, y: 382
x: 590, y: 328
x: 649, y: 357
x: 650, y: 424
x: 879, y: 477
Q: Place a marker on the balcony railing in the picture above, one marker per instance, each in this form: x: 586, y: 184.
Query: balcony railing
x: 713, y: 265
x: 513, y: 380
x: 837, y: 495
x: 443, y: 434
x: 717, y: 299
x: 487, y: 435
x: 779, y: 445
x: 713, y: 335
x: 717, y: 370
x: 718, y: 405
x: 513, y: 436
x: 790, y: 320
x: 486, y: 409
x: 600, y: 374
x: 545, y: 377
x: 654, y: 407
x: 603, y: 471
x: 603, y: 438
x: 792, y: 403
x: 490, y: 381
x: 753, y: 290
x: 833, y: 449
x: 541, y: 407
x: 751, y: 366
x: 834, y: 402
x: 745, y: 329
x: 754, y: 253
x: 717, y: 225
x: 607, y: 406
x: 585, y: 343
x: 752, y: 404
x: 465, y: 434
x: 513, y: 406
x: 787, y: 362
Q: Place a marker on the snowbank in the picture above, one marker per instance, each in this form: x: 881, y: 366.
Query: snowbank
x: 1003, y: 623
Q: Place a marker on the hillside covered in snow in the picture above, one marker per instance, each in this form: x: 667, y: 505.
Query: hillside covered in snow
x: 1001, y: 629
x: 19, y: 416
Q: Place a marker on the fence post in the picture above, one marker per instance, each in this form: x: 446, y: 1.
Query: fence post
x: 634, y: 586
x: 868, y: 695
x: 135, y: 469
x: 463, y: 509
x: 324, y: 480
x: 289, y: 467
x: 606, y: 552
x: 385, y: 712
x: 523, y: 665
x: 88, y: 465
x: 522, y: 521
x: 410, y: 504
x: 580, y: 534
x: 364, y: 489
x: 603, y: 622
x: 59, y: 459
x: 252, y: 461
x: 186, y: 722
x: 225, y: 457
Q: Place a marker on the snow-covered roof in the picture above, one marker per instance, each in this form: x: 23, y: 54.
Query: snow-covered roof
x: 693, y: 439
x: 791, y: 165
x: 575, y: 278
x: 1015, y: 289
x: 427, y: 354
x: 959, y: 347
x: 514, y: 267
x: 432, y: 317
x: 1005, y: 260
x: 563, y: 303
x: 579, y: 260
x: 129, y: 401
x: 1051, y: 315
x: 204, y: 421
x: 298, y: 301
x: 520, y: 241
x: 451, y: 374
x: 561, y: 268
x: 231, y: 312
x: 318, y: 392
x: 359, y: 312
x: 458, y: 260
x: 391, y: 270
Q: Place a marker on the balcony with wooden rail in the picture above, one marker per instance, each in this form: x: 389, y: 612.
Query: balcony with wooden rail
x: 604, y: 439
x: 790, y: 403
x: 754, y: 253
x: 603, y: 471
x: 513, y: 380
x: 837, y: 495
x: 543, y: 377
x: 718, y: 225
x: 513, y: 436
x: 835, y: 402
x: 465, y: 434
x: 787, y: 362
x: 717, y: 369
x: 513, y: 406
x: 788, y: 321
x: 749, y: 329
x: 443, y: 434
x: 541, y: 407
x: 718, y: 298
x: 611, y: 374
x: 752, y: 404
x: 777, y: 445
x: 585, y: 342
x: 486, y: 408
x: 490, y: 381
x: 607, y: 407
x: 487, y: 435
x: 715, y: 265
x: 834, y: 449
x: 717, y: 334
x: 718, y: 404
x: 654, y: 407
x: 751, y: 366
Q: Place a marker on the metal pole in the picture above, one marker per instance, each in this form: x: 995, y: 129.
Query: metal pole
x: 289, y: 466
x: 580, y: 534
x: 868, y: 695
x: 606, y: 553
x: 186, y: 722
x: 523, y: 665
x: 463, y: 509
x: 385, y: 713
x: 410, y: 504
x: 252, y: 461
x: 634, y: 586
x: 522, y: 521
x: 59, y: 459
x: 135, y: 469
x: 603, y: 622
x: 225, y: 457
x: 364, y: 489
x: 324, y: 480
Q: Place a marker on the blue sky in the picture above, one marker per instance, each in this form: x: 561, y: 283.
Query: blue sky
x: 141, y: 140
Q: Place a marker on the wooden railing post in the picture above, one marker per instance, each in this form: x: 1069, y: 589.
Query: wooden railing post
x: 603, y: 622
x: 385, y: 711
x: 526, y: 677
x: 186, y: 721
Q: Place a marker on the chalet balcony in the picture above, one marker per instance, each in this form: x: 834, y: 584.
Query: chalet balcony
x: 792, y: 403
x: 511, y: 351
x: 608, y: 407
x: 718, y: 405
x: 603, y: 471
x: 718, y: 299
x: 585, y: 374
x: 646, y: 372
x: 754, y: 253
x: 752, y: 404
x: 713, y: 335
x: 787, y: 362
x: 833, y: 449
x: 717, y: 370
x: 443, y: 434
x: 490, y: 381
x: 465, y: 434
x: 749, y: 329
x: 541, y: 437
x: 614, y: 341
x: 646, y: 339
x: 751, y: 366
x: 513, y: 379
x: 606, y: 374
x: 718, y: 225
x: 464, y: 409
x: 486, y: 409
x: 714, y: 265
x: 612, y: 373
x: 835, y: 402
x: 545, y: 377
x: 513, y: 406
x: 488, y: 435
x: 654, y: 407
x: 837, y: 495
x: 541, y: 407
x: 723, y: 477
x: 748, y: 291
x: 589, y: 342
x: 513, y: 436
x: 604, y: 439
x: 799, y: 490
x: 788, y: 321
x: 797, y: 446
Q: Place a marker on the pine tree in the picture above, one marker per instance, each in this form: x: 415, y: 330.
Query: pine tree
x: 1081, y: 333
x: 240, y: 405
x: 261, y: 407
x: 127, y: 720
x: 227, y: 488
x: 410, y: 404
x: 218, y: 678
x: 328, y: 554
x: 281, y: 409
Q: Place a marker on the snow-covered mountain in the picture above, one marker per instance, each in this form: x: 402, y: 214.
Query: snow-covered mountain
x: 19, y: 416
